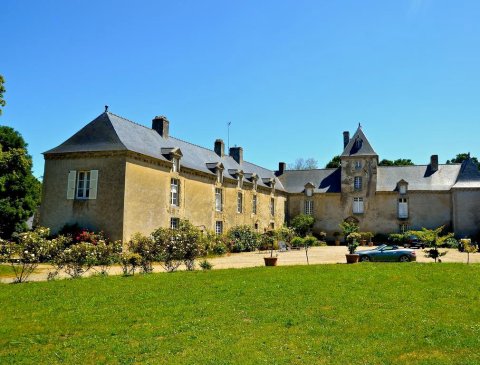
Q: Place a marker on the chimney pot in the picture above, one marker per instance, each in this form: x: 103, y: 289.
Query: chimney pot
x: 282, y: 166
x: 434, y: 162
x: 219, y: 147
x: 346, y: 138
x: 161, y: 125
x: 237, y: 154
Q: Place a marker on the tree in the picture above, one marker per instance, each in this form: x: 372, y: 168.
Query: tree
x: 303, y: 224
x: 432, y: 240
x: 468, y: 247
x: 462, y: 157
x: 397, y: 162
x: 334, y: 163
x: 302, y: 164
x: 2, y: 91
x: 19, y: 189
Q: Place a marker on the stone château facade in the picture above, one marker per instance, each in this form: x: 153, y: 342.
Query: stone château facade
x: 122, y: 177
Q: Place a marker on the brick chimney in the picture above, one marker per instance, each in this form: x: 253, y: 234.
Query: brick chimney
x: 346, y: 138
x: 237, y: 154
x: 282, y: 166
x: 434, y: 162
x: 161, y: 124
x: 219, y: 147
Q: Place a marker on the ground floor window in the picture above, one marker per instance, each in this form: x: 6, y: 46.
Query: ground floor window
x: 218, y: 227
x: 358, y: 205
x: 404, y: 227
x: 174, y: 222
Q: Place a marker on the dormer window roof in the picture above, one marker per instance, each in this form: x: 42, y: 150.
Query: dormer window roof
x: 402, y: 187
x: 173, y: 154
x: 309, y: 188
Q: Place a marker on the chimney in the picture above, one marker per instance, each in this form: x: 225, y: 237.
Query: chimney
x: 219, y: 147
x: 346, y: 138
x: 237, y: 154
x: 160, y: 124
x: 434, y: 162
x: 282, y: 166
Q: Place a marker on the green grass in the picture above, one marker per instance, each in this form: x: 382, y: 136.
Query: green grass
x: 325, y: 314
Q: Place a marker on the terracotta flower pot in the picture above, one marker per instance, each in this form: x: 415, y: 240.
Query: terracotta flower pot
x: 337, y: 242
x: 370, y: 244
x: 270, y: 261
x: 352, y: 258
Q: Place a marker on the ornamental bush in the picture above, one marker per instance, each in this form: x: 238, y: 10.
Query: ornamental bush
x: 130, y: 262
x: 303, y: 224
x: 77, y: 259
x: 243, y: 239
x: 147, y: 248
x: 214, y: 244
x: 311, y: 241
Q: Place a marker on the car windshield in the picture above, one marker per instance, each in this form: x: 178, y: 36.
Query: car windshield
x: 381, y: 247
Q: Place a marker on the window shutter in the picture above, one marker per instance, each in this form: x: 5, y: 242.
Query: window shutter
x: 93, y: 184
x: 72, y: 176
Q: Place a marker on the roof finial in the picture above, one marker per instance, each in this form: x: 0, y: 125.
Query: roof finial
x: 106, y: 108
x: 468, y: 154
x: 359, y: 125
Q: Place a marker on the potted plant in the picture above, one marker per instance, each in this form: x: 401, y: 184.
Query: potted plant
x: 269, y: 240
x: 336, y: 235
x: 352, y: 244
x: 367, y: 238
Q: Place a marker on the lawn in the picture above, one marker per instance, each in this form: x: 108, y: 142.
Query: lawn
x: 322, y: 314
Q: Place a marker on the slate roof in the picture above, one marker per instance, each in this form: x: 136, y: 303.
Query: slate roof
x: 324, y: 180
x: 469, y: 176
x: 110, y: 132
x: 359, y: 145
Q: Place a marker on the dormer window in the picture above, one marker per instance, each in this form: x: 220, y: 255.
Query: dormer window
x: 254, y: 181
x: 403, y: 189
x: 309, y: 191
x: 175, y: 164
x: 219, y: 176
x: 239, y: 181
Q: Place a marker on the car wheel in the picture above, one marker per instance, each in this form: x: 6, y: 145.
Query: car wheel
x: 404, y: 258
x: 365, y: 259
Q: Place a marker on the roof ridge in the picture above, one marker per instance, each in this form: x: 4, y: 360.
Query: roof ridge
x: 131, y: 121
x: 421, y: 165
x: 254, y: 164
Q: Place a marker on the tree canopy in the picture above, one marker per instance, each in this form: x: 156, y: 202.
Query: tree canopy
x: 303, y: 164
x: 462, y: 157
x: 397, y: 162
x: 334, y: 163
x: 2, y: 91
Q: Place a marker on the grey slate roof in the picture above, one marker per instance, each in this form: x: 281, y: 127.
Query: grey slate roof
x: 324, y: 180
x: 359, y: 145
x: 420, y: 177
x: 110, y: 132
x: 469, y: 176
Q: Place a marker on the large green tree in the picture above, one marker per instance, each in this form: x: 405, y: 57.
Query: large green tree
x: 19, y: 189
x: 334, y: 163
x: 2, y: 90
x: 397, y: 162
x: 462, y: 157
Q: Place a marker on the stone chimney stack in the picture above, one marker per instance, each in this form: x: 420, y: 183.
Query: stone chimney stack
x: 161, y: 124
x: 219, y: 147
x: 346, y: 138
x: 237, y: 154
x: 282, y: 166
x: 434, y: 162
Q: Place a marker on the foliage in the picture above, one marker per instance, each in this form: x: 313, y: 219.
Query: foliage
x: 106, y: 254
x: 285, y: 234
x: 302, y: 224
x: 450, y: 243
x: 310, y: 241
x: 2, y: 91
x: 147, y: 249
x: 302, y: 164
x: 297, y: 242
x: 213, y: 244
x: 334, y: 163
x: 367, y: 235
x: 397, y: 238
x: 130, y: 262
x: 205, y: 265
x: 468, y: 247
x: 352, y: 242
x: 397, y: 162
x: 347, y: 228
x: 432, y: 239
x: 77, y: 259
x: 24, y: 256
x: 463, y: 157
x: 243, y: 239
x: 268, y: 242
x: 380, y: 238
x: 19, y: 190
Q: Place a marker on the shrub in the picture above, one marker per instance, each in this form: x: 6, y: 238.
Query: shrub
x: 214, y: 244
x: 130, y: 262
x: 106, y: 254
x: 297, y: 242
x: 310, y: 241
x: 77, y: 259
x: 352, y: 242
x: 433, y: 240
x: 285, y: 234
x: 243, y: 239
x: 451, y: 243
x: 147, y: 249
x: 205, y: 265
x: 397, y: 238
x: 347, y: 228
x: 367, y: 236
x: 380, y: 238
x: 303, y: 224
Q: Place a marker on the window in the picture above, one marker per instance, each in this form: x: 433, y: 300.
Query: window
x: 309, y: 191
x: 357, y: 183
x: 357, y: 205
x: 256, y: 226
x: 403, y: 189
x: 218, y: 227
x: 404, y: 227
x: 82, y: 185
x: 272, y: 226
x: 218, y: 200
x: 402, y: 208
x: 358, y: 165
x: 254, y: 205
x: 272, y: 206
x: 174, y: 223
x: 309, y: 207
x: 174, y: 192
x: 175, y: 164
x: 239, y: 203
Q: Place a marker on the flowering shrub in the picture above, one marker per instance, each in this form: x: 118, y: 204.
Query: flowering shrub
x: 130, y: 261
x: 243, y: 239
x: 106, y: 254
x: 147, y: 249
x: 214, y: 244
x: 77, y: 259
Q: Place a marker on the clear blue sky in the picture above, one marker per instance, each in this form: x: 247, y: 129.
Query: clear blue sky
x: 289, y: 75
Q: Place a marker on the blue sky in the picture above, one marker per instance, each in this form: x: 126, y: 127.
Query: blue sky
x: 291, y: 76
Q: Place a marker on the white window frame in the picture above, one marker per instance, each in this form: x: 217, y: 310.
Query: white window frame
x: 218, y: 227
x: 82, y: 190
x: 218, y: 200
x: 239, y: 202
x: 175, y: 192
x: 308, y: 207
x: 357, y: 183
x: 254, y: 204
x: 402, y: 208
x: 174, y: 222
x: 358, y: 206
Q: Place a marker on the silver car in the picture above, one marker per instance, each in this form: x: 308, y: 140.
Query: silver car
x: 388, y: 253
